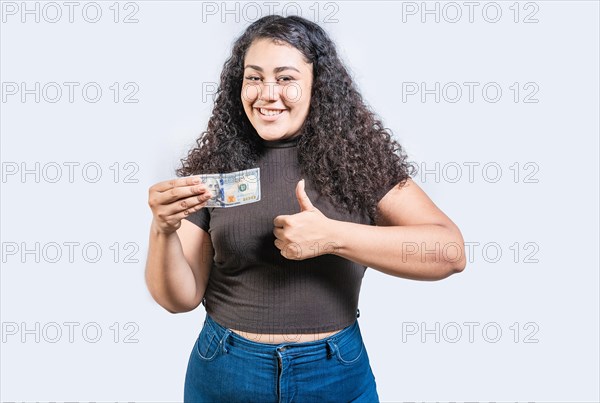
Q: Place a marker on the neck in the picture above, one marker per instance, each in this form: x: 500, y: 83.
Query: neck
x: 281, y: 143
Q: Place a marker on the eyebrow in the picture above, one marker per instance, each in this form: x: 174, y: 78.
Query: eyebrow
x: 275, y: 70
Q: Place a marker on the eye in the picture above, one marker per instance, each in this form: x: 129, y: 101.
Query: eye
x: 252, y: 78
x: 285, y: 79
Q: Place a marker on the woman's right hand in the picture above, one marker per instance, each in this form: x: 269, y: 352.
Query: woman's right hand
x: 173, y: 200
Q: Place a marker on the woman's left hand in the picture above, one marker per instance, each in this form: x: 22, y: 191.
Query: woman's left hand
x: 305, y: 234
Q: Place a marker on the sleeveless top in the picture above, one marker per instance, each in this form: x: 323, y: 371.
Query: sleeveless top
x: 252, y: 287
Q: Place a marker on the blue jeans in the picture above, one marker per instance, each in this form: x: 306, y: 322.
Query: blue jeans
x: 226, y: 367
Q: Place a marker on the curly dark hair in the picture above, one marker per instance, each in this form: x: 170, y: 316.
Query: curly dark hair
x: 343, y: 147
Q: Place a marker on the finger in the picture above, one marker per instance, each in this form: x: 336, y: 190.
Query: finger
x: 175, y: 218
x: 178, y: 182
x: 182, y: 192
x: 291, y: 251
x: 280, y: 221
x: 302, y: 197
x: 278, y: 232
x: 187, y: 203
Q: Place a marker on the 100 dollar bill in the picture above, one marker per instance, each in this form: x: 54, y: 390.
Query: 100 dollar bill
x: 233, y: 188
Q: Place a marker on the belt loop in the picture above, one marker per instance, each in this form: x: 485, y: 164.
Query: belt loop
x: 330, y: 348
x: 224, y: 340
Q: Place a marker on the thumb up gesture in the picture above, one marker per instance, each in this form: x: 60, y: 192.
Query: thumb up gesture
x: 305, y: 234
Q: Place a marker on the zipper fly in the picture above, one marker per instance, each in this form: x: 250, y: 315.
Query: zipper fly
x: 280, y: 371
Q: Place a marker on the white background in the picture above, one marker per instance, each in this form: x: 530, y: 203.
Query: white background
x: 533, y: 263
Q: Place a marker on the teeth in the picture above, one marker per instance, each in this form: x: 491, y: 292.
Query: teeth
x: 268, y: 112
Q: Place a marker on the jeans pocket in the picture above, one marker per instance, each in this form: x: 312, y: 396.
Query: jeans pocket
x: 349, y: 351
x: 208, y: 343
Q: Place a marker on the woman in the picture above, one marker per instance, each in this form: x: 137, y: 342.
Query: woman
x: 280, y: 278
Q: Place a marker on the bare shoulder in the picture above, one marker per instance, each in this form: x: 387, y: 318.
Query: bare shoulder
x: 410, y: 205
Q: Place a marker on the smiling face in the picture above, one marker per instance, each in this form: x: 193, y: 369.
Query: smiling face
x: 276, y: 89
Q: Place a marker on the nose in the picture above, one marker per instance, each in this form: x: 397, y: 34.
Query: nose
x: 269, y: 91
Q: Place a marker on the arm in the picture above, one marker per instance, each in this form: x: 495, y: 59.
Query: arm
x: 412, y: 238
x: 178, y: 267
x: 180, y: 254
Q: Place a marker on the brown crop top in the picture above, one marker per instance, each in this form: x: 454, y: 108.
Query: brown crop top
x: 252, y: 287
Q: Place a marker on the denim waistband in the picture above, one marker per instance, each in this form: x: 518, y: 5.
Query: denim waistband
x: 270, y: 348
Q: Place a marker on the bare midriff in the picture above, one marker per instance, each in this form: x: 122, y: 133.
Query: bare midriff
x: 283, y: 338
